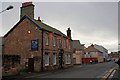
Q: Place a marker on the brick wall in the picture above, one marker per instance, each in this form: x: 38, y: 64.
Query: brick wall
x: 18, y: 42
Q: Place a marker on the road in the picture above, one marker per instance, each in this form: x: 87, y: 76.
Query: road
x: 116, y: 74
x: 79, y: 71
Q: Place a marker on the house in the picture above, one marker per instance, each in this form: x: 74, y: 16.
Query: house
x: 114, y: 55
x: 92, y: 54
x: 104, y: 51
x: 77, y: 52
x: 34, y: 46
x: 0, y: 45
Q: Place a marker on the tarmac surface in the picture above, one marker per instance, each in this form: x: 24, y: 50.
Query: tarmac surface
x: 90, y: 71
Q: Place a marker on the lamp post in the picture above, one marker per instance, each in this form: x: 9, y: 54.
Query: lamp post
x: 8, y: 8
x: 118, y: 50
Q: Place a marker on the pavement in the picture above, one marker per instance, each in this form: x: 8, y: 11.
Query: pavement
x: 115, y: 75
x: 101, y: 71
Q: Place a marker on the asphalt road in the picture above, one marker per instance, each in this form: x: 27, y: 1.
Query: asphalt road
x: 79, y: 71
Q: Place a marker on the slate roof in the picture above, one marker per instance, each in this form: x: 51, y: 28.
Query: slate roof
x: 0, y: 40
x: 40, y: 25
x: 49, y: 28
x: 1, y: 45
x: 77, y: 45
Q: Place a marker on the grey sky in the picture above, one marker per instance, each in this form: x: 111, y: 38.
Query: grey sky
x: 90, y: 22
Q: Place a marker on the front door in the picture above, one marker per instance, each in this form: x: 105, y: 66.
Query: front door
x: 31, y: 64
x: 61, y: 59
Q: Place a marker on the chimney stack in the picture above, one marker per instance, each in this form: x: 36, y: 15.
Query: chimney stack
x: 39, y: 19
x: 69, y: 33
x: 27, y: 9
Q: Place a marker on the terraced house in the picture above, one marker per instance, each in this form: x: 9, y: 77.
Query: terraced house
x: 33, y: 45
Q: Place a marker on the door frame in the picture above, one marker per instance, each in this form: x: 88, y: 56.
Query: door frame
x: 31, y: 64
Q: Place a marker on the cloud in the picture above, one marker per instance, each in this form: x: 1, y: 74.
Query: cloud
x: 90, y: 22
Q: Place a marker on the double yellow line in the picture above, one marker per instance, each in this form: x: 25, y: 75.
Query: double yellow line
x: 106, y: 76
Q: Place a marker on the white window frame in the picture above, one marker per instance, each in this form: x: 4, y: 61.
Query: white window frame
x: 65, y: 45
x: 54, y: 40
x: 67, y: 59
x: 47, y: 39
x: 54, y: 58
x: 59, y: 43
x: 46, y: 59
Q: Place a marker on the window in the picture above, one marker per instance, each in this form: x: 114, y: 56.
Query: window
x: 54, y: 58
x: 34, y: 45
x: 47, y: 39
x: 65, y: 43
x: 10, y: 61
x: 67, y: 59
x: 46, y: 59
x: 69, y: 45
x: 54, y: 40
x: 60, y: 43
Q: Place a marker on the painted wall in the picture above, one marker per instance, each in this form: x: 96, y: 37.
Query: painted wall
x: 77, y: 57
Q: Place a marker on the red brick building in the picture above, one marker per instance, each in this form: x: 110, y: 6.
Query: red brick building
x: 35, y: 46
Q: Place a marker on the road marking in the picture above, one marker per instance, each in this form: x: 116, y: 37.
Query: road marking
x: 112, y: 74
x: 106, y: 76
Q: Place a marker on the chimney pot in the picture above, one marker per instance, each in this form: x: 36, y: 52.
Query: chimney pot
x: 26, y: 4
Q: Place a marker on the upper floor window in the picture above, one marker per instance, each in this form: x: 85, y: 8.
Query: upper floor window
x: 60, y: 43
x: 54, y: 40
x: 47, y: 39
x: 34, y: 45
x: 69, y: 46
x: 65, y: 43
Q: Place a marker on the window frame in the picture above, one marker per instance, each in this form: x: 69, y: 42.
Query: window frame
x: 47, y: 39
x: 46, y: 57
x: 67, y: 58
x: 65, y: 43
x: 54, y: 61
x: 54, y: 39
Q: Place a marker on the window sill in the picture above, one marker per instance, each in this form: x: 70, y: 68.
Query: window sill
x: 67, y: 63
x: 46, y: 65
x: 54, y: 64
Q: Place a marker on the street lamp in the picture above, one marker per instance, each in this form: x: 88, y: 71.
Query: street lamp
x: 8, y: 8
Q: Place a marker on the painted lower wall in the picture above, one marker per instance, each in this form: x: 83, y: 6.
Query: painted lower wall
x: 77, y: 57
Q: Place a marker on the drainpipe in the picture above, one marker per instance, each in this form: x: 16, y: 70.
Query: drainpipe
x: 42, y: 53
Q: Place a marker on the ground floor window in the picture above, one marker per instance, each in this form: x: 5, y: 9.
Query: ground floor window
x: 10, y: 61
x: 54, y: 58
x: 46, y: 59
x: 67, y: 59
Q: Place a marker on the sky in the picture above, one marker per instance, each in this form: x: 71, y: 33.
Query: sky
x: 92, y: 21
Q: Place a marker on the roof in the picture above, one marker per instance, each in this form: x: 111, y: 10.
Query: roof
x: 48, y: 28
x: 1, y: 45
x: 91, y: 49
x: 77, y: 45
x: 0, y: 41
x: 100, y: 48
x: 40, y: 25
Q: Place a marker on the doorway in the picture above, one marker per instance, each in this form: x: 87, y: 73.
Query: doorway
x: 31, y: 64
x: 61, y: 58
